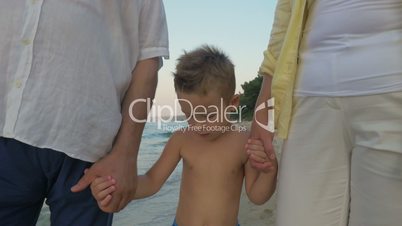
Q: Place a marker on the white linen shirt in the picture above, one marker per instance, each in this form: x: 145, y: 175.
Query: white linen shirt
x: 65, y: 66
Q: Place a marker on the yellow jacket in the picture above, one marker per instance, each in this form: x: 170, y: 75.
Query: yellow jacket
x: 281, y: 58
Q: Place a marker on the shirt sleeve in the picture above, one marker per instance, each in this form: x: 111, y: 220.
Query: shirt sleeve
x: 278, y: 33
x: 153, y: 31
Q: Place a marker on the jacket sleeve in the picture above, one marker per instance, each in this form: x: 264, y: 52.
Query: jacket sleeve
x: 278, y: 32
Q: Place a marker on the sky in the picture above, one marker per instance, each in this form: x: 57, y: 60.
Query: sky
x: 240, y: 28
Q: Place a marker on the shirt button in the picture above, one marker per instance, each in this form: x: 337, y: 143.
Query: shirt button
x: 18, y: 83
x: 26, y: 42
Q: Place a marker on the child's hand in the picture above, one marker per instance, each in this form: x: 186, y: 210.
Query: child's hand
x: 102, y: 188
x: 256, y: 153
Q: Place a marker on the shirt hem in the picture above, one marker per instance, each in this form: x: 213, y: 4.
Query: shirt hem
x: 85, y: 158
x: 154, y: 52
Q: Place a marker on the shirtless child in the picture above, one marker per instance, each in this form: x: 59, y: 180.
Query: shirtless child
x: 212, y: 149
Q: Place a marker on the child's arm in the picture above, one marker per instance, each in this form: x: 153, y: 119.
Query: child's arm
x: 260, y: 185
x: 148, y: 184
x: 152, y: 181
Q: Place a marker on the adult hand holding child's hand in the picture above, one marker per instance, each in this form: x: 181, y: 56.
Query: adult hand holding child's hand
x: 259, y: 156
x: 121, y: 168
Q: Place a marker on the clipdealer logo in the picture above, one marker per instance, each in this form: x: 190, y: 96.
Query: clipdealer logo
x: 173, y: 113
x: 267, y: 106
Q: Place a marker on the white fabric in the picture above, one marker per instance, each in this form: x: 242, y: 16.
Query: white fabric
x: 351, y: 47
x: 342, y: 162
x: 66, y: 65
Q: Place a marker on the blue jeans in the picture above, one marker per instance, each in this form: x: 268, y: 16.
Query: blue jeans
x: 29, y: 175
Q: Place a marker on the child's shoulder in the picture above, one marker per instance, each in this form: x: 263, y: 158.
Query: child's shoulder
x: 177, y: 135
x: 180, y: 134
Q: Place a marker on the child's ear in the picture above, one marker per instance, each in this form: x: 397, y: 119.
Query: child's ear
x: 235, y: 101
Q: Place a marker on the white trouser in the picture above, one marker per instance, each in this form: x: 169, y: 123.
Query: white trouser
x: 342, y: 162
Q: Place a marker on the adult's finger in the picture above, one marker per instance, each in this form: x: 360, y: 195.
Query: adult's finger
x: 255, y: 141
x: 261, y: 165
x: 124, y: 201
x: 257, y: 158
x: 255, y: 147
x: 269, y: 149
x: 105, y: 201
x: 84, y: 182
x: 261, y: 154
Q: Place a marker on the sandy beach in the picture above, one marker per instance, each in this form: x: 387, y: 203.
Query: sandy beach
x: 253, y: 215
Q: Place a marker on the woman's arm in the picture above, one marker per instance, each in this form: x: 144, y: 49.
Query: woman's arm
x: 267, y: 70
x: 258, y: 132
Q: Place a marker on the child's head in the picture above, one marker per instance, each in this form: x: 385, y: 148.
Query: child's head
x: 205, y: 70
x: 205, y: 85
